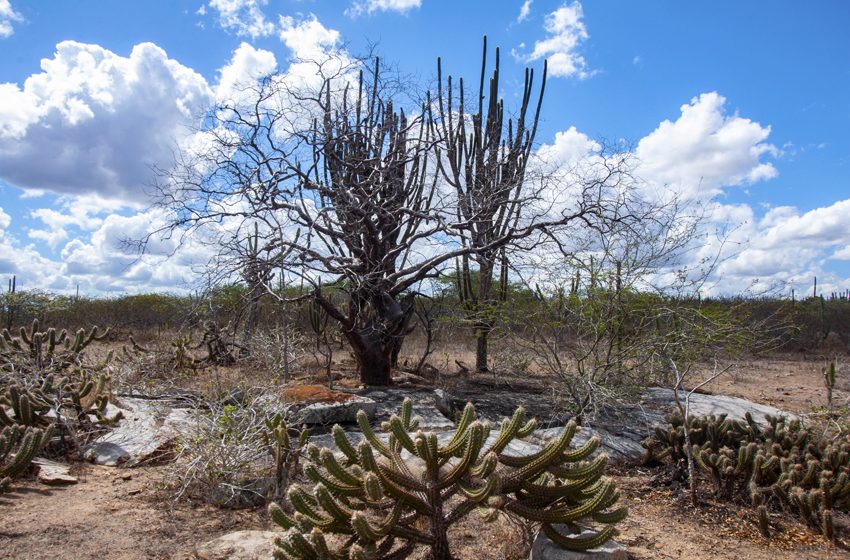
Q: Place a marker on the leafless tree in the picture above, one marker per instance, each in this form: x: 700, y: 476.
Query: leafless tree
x: 348, y: 198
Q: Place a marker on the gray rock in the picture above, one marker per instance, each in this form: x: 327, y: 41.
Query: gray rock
x: 53, y: 473
x: 241, y: 545
x: 544, y: 549
x: 145, y: 434
x: 702, y: 405
x: 622, y: 435
x: 337, y: 412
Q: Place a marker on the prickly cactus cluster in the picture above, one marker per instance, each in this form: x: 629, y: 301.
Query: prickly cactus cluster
x: 406, y: 487
x: 36, y: 351
x: 782, y: 464
x: 45, y: 382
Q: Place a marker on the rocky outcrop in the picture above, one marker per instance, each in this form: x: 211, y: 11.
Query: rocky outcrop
x: 146, y: 434
x: 241, y: 545
x: 544, y: 549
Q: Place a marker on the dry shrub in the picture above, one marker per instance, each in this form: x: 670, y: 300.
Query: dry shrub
x: 276, y: 351
x: 226, y: 457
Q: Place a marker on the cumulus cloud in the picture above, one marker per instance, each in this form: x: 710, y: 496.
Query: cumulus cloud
x: 243, y: 17
x: 8, y: 17
x: 308, y: 39
x: 785, y: 246
x: 96, y: 122
x: 372, y: 6
x: 247, y: 65
x: 706, y: 149
x: 565, y: 33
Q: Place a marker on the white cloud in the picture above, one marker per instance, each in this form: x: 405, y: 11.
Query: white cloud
x: 308, y: 39
x: 524, y: 11
x: 243, y: 17
x: 569, y: 147
x: 706, y: 149
x: 96, y: 122
x: 565, y: 33
x: 371, y: 6
x: 8, y: 17
x: 246, y: 66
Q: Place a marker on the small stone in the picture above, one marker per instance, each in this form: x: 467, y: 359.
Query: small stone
x: 52, y: 473
x: 544, y: 549
x: 241, y: 545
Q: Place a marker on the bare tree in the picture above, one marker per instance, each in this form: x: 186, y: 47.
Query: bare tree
x: 350, y: 200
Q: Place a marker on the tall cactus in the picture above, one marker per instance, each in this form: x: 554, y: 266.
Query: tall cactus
x: 407, y: 487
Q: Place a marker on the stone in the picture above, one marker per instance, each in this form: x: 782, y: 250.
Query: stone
x: 544, y: 549
x: 145, y: 434
x: 622, y: 435
x: 329, y: 413
x: 703, y: 405
x: 241, y: 545
x: 53, y: 473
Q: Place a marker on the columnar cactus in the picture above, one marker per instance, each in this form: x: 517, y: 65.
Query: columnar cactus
x: 26, y: 442
x: 392, y: 492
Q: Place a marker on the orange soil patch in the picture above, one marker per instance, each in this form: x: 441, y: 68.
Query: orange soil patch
x: 310, y: 394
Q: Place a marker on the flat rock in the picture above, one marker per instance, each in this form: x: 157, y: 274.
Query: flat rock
x: 544, y: 549
x: 53, y: 473
x: 147, y: 431
x: 329, y: 413
x: 703, y: 405
x: 622, y: 434
x: 241, y: 545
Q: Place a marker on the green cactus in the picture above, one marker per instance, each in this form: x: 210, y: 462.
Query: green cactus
x: 36, y: 351
x: 26, y: 442
x: 829, y: 381
x: 390, y: 493
x: 782, y: 463
x: 285, y: 454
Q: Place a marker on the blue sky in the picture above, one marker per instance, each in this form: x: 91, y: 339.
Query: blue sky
x: 743, y: 105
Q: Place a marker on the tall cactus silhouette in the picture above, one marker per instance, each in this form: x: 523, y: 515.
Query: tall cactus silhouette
x: 407, y: 487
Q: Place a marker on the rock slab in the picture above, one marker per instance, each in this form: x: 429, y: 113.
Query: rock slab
x: 241, y: 545
x: 544, y: 549
x: 337, y: 412
x: 53, y: 473
x: 145, y: 433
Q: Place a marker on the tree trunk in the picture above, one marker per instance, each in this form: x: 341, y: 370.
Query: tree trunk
x: 482, y: 333
x: 374, y: 358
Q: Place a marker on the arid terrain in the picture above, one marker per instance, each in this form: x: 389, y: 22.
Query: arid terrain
x: 126, y: 514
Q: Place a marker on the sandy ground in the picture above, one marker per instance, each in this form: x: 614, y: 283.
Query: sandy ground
x: 122, y: 514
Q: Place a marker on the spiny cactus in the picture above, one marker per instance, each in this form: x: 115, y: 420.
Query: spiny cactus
x: 26, y: 442
x: 35, y: 350
x: 782, y: 463
x: 80, y: 396
x: 285, y: 454
x: 829, y: 381
x: 390, y: 493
